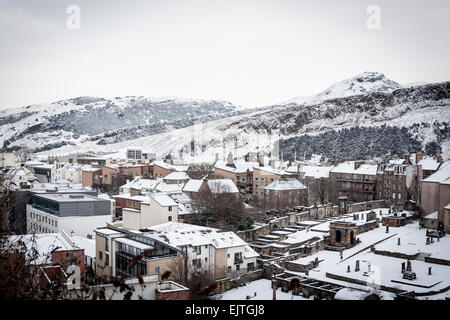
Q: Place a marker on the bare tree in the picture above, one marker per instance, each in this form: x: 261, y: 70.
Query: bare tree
x: 219, y: 208
x: 199, y: 170
x: 22, y: 154
x: 200, y: 285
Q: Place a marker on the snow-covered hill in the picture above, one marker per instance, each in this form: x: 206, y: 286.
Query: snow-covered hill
x: 419, y: 116
x: 364, y: 83
x: 88, y: 119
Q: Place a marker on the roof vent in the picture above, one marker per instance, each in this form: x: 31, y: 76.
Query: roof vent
x: 76, y: 196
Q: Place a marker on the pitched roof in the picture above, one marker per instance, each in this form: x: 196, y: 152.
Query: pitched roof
x: 44, y: 243
x: 285, y: 184
x: 163, y: 199
x: 441, y: 175
x: 177, y: 175
x: 349, y: 167
x: 429, y: 164
x: 169, y: 166
x: 316, y: 172
x: 193, y: 185
x: 222, y: 186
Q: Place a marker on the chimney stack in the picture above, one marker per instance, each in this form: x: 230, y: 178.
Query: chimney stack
x: 407, y: 158
x: 358, y: 164
x: 419, y: 156
x: 439, y: 158
x: 388, y: 156
x: 261, y: 160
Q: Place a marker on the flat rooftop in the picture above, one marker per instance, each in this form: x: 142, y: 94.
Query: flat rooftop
x: 69, y: 197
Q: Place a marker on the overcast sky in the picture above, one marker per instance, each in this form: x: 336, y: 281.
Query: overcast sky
x: 252, y: 53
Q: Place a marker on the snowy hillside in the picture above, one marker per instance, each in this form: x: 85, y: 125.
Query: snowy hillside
x: 419, y: 117
x: 400, y: 119
x: 88, y: 119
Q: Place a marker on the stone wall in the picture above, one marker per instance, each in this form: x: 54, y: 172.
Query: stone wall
x: 367, y: 205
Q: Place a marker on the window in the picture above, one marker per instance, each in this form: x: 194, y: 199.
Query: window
x: 170, y: 218
x: 238, y: 258
x: 197, y: 263
x: 100, y: 255
x: 170, y: 208
x: 107, y: 260
x: 197, y: 249
x: 251, y: 266
x: 238, y: 267
x: 157, y: 270
x: 206, y: 259
x: 229, y: 269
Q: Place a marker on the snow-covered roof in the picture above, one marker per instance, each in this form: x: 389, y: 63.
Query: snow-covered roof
x: 429, y: 164
x: 44, y: 243
x: 91, y: 169
x: 447, y: 206
x: 250, y: 253
x: 84, y: 243
x: 179, y: 227
x: 169, y: 188
x: 240, y: 167
x: 356, y: 294
x: 433, y: 215
x: 180, y: 234
x: 273, y: 170
x: 106, y: 231
x: 292, y: 169
x: 34, y: 163
x: 349, y: 167
x: 222, y: 186
x: 222, y: 240
x: 285, y: 184
x: 316, y: 172
x: 141, y: 184
x: 184, y: 203
x: 104, y: 196
x: 169, y: 166
x: 163, y: 199
x: 397, y: 161
x: 133, y: 243
x: 193, y: 185
x: 441, y: 175
x: 177, y: 175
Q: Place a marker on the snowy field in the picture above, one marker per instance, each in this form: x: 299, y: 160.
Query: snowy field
x: 263, y: 289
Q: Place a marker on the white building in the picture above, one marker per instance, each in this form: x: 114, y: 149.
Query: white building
x: 76, y: 214
x: 152, y: 210
x: 209, y: 251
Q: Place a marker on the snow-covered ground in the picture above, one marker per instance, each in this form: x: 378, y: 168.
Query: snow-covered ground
x: 263, y: 289
x: 385, y: 269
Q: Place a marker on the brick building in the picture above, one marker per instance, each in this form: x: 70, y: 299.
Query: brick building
x: 355, y: 180
x: 285, y: 193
